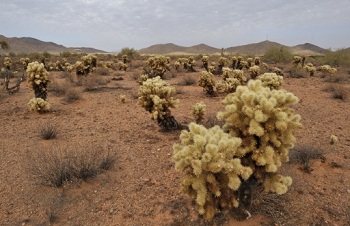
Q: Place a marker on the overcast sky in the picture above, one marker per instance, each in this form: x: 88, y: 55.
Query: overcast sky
x: 113, y: 24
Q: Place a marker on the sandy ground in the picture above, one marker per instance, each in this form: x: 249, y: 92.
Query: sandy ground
x: 143, y: 188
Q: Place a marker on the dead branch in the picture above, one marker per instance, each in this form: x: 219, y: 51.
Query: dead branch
x: 15, y: 88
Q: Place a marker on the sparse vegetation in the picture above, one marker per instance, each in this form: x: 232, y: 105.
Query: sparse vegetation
x: 58, y: 165
x: 48, y: 131
x: 278, y: 55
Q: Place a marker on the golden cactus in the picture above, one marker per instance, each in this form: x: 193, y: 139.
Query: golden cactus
x: 205, y: 61
x: 157, y: 66
x: 39, y: 105
x: 207, y: 81
x: 257, y: 61
x: 328, y: 69
x: 226, y: 72
x: 254, y: 71
x: 212, y: 171
x: 8, y: 63
x: 155, y: 95
x: 271, y: 80
x: 198, y: 111
x: 38, y: 79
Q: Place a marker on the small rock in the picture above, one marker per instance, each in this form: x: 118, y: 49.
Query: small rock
x: 348, y: 191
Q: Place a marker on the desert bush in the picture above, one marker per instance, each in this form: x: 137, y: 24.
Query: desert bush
x: 303, y: 154
x: 298, y: 72
x: 222, y: 166
x: 131, y: 53
x: 102, y: 71
x: 65, y: 54
x: 72, y: 95
x: 278, y: 55
x: 207, y: 81
x: 198, y: 111
x: 57, y: 88
x: 58, y: 165
x: 187, y: 80
x: 155, y: 96
x: 48, y: 131
x: 341, y: 92
x: 340, y: 57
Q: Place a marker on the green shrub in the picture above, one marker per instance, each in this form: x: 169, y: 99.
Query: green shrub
x: 131, y: 53
x: 278, y: 55
x: 340, y: 57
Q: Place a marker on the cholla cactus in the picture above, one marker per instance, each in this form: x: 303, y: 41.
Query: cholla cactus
x: 249, y: 61
x: 226, y: 72
x: 198, y: 111
x: 205, y: 61
x: 124, y: 57
x: 190, y: 64
x: 261, y: 117
x: 50, y: 66
x: 231, y: 84
x: 310, y: 68
x: 105, y: 64
x: 334, y: 139
x: 257, y: 61
x: 265, y: 66
x: 254, y: 71
x: 156, y: 66
x: 39, y: 105
x: 243, y: 64
x: 277, y: 71
x: 220, y: 86
x: 122, y: 66
x: 234, y: 62
x: 25, y: 62
x: 59, y: 66
x: 239, y: 59
x: 213, y: 172
x: 142, y: 78
x: 122, y: 97
x: 8, y: 63
x: 271, y: 80
x: 328, y: 69
x: 85, y: 66
x: 177, y: 65
x: 221, y: 63
x: 155, y: 95
x: 38, y: 79
x: 297, y: 61
x: 68, y: 67
x: 212, y: 67
x: 207, y: 82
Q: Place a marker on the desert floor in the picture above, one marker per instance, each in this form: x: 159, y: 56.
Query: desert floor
x: 142, y: 187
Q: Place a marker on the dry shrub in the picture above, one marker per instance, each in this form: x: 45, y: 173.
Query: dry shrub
x: 187, y: 80
x: 57, y: 88
x: 57, y: 165
x: 102, y: 71
x: 337, y: 78
x: 72, y: 95
x: 48, y: 131
x: 91, y: 82
x: 298, y: 73
x: 302, y: 154
x: 341, y: 92
x: 338, y: 91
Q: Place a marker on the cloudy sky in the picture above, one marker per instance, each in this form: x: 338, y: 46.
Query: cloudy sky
x: 113, y: 24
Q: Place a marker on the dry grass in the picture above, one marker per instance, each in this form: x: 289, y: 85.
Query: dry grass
x: 57, y: 89
x: 72, y: 95
x: 48, y: 131
x: 58, y: 165
x: 102, y: 71
x: 187, y: 80
x: 303, y: 155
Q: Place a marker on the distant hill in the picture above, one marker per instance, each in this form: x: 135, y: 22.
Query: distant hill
x: 306, y: 49
x: 257, y: 49
x: 171, y: 48
x: 31, y: 45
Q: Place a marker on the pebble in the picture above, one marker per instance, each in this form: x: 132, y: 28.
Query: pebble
x: 348, y: 191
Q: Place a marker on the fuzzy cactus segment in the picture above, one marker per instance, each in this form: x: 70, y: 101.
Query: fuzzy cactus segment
x: 208, y: 157
x: 264, y: 121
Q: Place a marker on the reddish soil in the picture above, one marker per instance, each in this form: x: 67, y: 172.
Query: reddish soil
x: 143, y: 188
